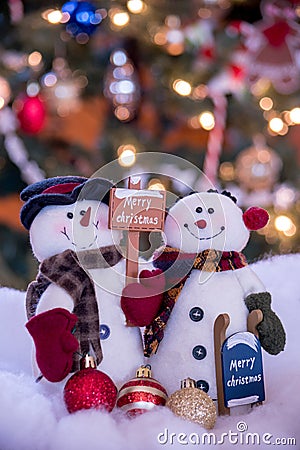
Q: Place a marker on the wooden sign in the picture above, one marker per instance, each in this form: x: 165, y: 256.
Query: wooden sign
x: 243, y: 380
x: 137, y: 209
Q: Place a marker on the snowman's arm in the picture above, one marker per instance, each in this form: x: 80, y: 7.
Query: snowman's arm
x: 55, y: 297
x: 52, y: 332
x: 270, y: 330
x: 249, y: 281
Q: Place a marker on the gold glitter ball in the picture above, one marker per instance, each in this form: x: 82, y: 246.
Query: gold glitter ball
x: 194, y: 405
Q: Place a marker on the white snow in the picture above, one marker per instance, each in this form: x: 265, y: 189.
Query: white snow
x: 124, y: 193
x: 33, y: 417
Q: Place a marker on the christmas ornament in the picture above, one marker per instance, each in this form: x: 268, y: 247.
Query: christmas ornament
x: 257, y: 167
x: 121, y: 86
x: 273, y: 44
x: 31, y: 114
x: 141, y: 393
x: 89, y: 388
x: 193, y: 404
x: 83, y: 18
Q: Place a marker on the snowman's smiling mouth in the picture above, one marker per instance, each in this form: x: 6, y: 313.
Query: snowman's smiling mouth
x: 204, y: 238
x: 64, y: 232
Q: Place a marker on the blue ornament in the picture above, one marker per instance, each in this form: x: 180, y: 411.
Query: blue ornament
x: 83, y: 17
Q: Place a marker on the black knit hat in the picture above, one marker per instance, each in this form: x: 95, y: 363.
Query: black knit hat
x: 61, y: 191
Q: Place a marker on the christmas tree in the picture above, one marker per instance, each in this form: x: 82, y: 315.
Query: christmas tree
x: 216, y: 82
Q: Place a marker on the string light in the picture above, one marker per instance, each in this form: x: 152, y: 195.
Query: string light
x: 127, y: 155
x: 266, y: 103
x: 34, y: 59
x: 170, y: 36
x: 118, y: 17
x: 53, y: 16
x: 276, y: 124
x: 295, y: 115
x: 32, y: 89
x: 207, y: 120
x: 285, y: 225
x: 136, y: 6
x: 4, y: 92
x: 227, y: 172
x: 156, y: 185
x: 182, y: 87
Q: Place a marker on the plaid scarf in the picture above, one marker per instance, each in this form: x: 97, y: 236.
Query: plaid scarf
x: 65, y: 270
x: 177, y: 267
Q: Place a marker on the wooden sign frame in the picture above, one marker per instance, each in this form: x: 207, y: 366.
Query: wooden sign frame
x: 141, y: 211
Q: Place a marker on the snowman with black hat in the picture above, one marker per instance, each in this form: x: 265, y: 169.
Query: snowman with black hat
x: 73, y: 306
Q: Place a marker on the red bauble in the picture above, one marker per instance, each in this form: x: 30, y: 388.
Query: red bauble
x: 31, y: 114
x: 90, y: 388
x: 141, y: 393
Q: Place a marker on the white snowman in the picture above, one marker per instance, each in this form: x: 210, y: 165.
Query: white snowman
x: 206, y: 231
x: 73, y: 307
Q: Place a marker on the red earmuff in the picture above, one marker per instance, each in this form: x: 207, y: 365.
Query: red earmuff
x: 255, y: 218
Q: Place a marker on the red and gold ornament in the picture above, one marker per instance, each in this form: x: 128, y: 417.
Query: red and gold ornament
x: 141, y: 393
x: 90, y: 388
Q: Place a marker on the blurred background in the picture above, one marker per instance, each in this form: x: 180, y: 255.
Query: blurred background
x: 216, y: 82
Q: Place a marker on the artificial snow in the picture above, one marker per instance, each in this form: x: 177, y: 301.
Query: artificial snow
x: 33, y: 416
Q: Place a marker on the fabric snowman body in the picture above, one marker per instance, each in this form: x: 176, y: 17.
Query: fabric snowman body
x: 82, y: 226
x: 197, y: 223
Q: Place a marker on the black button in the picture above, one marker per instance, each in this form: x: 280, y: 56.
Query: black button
x: 199, y: 352
x: 104, y: 331
x: 196, y: 314
x: 203, y: 385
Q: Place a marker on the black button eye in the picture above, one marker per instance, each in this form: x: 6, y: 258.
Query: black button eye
x: 210, y: 210
x: 82, y: 212
x: 70, y: 215
x: 199, y: 209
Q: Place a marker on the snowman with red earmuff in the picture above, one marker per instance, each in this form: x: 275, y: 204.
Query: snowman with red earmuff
x: 73, y: 306
x: 206, y: 275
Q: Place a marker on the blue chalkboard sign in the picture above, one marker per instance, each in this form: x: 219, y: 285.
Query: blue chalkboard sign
x: 243, y: 378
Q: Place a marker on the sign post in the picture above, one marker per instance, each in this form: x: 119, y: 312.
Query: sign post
x: 135, y: 210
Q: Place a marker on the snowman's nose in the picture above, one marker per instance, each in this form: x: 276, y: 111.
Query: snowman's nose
x: 85, y: 220
x: 201, y: 223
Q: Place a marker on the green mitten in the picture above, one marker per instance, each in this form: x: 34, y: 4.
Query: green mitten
x: 271, y: 332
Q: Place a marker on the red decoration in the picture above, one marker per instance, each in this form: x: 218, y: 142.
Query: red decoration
x: 272, y: 45
x: 90, y: 388
x: 54, y: 342
x: 141, y: 393
x: 64, y: 188
x: 255, y: 218
x: 140, y: 302
x: 31, y: 114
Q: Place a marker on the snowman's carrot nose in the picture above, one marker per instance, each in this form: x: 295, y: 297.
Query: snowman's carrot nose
x: 201, y: 223
x: 85, y: 220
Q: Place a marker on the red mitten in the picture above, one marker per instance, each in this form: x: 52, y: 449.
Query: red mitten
x: 54, y: 342
x: 140, y: 302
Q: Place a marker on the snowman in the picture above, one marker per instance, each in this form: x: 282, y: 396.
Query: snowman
x: 207, y: 275
x: 73, y: 306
